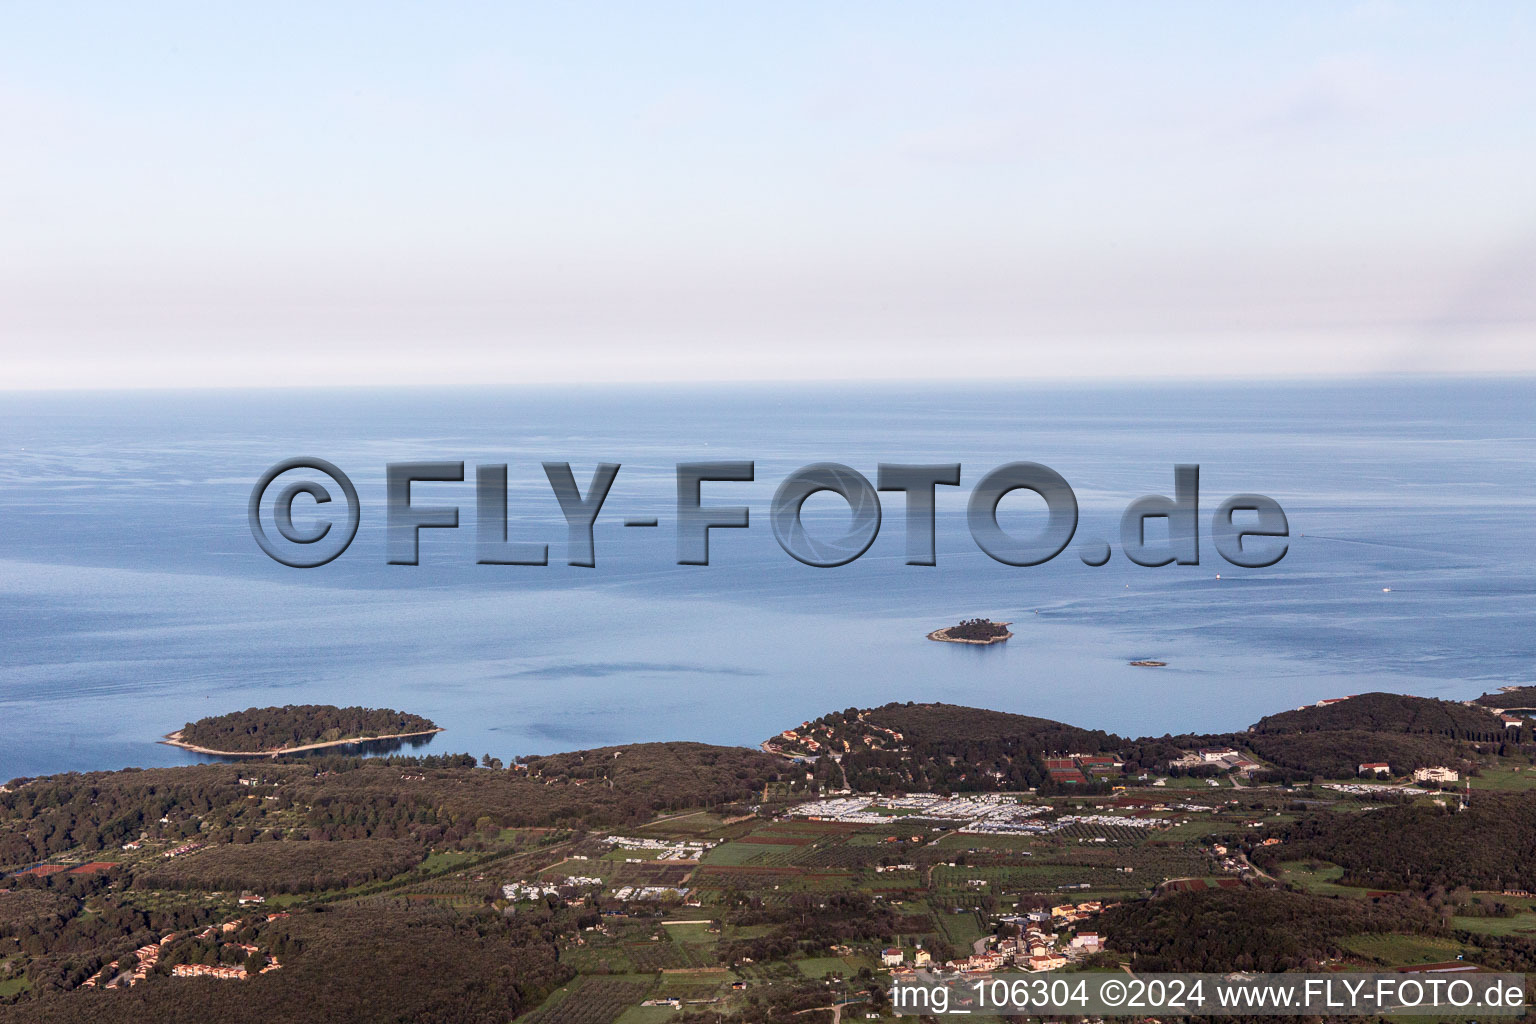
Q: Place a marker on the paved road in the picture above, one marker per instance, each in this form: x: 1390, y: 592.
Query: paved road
x: 836, y: 1008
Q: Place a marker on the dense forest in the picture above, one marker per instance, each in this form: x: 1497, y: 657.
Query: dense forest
x: 949, y: 723
x: 664, y: 775
x: 295, y: 725
x: 426, y: 800
x: 1403, y: 731
x: 1264, y: 930
x: 1389, y: 712
x: 285, y: 867
x: 952, y: 748
x: 809, y: 925
x: 1489, y: 846
x: 1338, y: 755
x: 1514, y: 697
x: 947, y: 747
x: 327, y: 825
x: 384, y: 961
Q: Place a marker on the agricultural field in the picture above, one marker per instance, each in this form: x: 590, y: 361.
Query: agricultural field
x: 766, y: 879
x: 688, y: 826
x: 663, y: 955
x: 1198, y: 827
x: 598, y: 957
x: 1322, y: 879
x: 590, y: 1001
x: 1522, y: 922
x: 760, y: 974
x: 1505, y: 779
x: 912, y: 834
x: 1041, y: 877
x: 1000, y: 843
x: 1096, y: 832
x: 960, y: 929
x: 804, y: 827
x: 741, y: 854
x: 1200, y: 884
x: 1150, y: 862
x: 647, y: 1015
x: 1403, y: 950
x: 822, y: 966
x: 847, y: 856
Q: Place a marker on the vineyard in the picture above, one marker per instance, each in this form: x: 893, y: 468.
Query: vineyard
x: 750, y: 853
x: 1042, y: 877
x: 1108, y: 833
x: 595, y: 1001
x: 759, y: 878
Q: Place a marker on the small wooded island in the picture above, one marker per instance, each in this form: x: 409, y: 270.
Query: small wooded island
x: 295, y: 728
x: 973, y: 631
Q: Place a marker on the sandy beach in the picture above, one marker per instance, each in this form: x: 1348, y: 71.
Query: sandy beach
x: 174, y: 740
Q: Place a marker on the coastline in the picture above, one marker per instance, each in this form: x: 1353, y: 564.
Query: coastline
x: 173, y: 739
x: 943, y: 637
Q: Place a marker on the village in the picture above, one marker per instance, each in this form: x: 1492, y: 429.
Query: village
x: 116, y: 975
x: 1028, y: 942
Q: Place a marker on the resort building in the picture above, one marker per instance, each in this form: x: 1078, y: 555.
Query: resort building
x: 1436, y: 774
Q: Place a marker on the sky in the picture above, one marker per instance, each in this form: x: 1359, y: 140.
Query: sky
x: 405, y: 193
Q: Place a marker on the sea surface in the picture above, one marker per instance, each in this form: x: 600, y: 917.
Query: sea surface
x: 133, y: 597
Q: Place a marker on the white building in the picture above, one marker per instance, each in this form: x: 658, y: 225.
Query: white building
x: 1436, y: 774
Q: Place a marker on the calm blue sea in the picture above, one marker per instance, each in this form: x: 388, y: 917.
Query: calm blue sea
x: 133, y: 598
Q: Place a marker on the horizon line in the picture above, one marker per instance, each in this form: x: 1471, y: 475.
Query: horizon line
x: 1066, y: 381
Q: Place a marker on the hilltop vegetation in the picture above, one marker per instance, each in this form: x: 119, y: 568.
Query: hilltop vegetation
x: 1388, y: 712
x: 954, y: 723
x: 948, y: 747
x: 1403, y: 731
x: 1339, y: 754
x: 285, y: 867
x: 939, y: 747
x: 295, y: 725
x: 353, y: 965
x: 1514, y: 697
x: 663, y: 776
x: 427, y: 800
x: 1489, y: 846
x: 1263, y: 930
